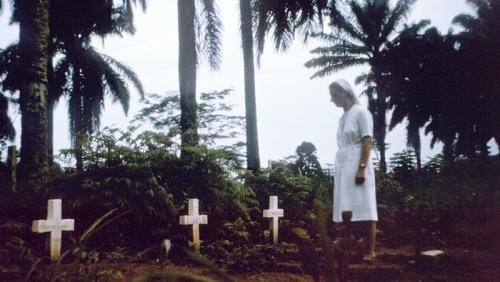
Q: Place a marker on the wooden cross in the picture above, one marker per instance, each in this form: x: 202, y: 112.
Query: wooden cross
x: 274, y: 213
x: 347, y: 247
x: 195, y: 219
x: 55, y: 225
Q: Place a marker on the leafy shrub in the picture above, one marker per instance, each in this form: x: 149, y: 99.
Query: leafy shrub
x: 141, y: 174
x: 15, y: 254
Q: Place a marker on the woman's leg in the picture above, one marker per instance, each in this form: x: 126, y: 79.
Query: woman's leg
x: 372, y: 234
x: 367, y: 229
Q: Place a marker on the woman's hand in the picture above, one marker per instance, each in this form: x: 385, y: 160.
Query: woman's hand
x: 360, y: 176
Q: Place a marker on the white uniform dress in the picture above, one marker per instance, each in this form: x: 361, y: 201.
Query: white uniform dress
x: 354, y: 124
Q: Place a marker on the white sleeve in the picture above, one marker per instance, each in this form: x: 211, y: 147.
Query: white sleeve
x: 365, y: 123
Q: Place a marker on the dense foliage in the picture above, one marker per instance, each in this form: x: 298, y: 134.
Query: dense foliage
x: 127, y: 188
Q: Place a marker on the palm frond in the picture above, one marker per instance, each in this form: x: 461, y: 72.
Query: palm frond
x: 369, y: 92
x: 261, y: 27
x: 468, y: 22
x: 310, y: 18
x: 74, y: 109
x: 478, y: 4
x: 337, y: 37
x: 211, y: 28
x: 372, y: 103
x: 126, y: 72
x: 365, y: 78
x: 115, y: 84
x: 342, y: 50
x: 309, y: 11
x: 93, y: 98
x: 418, y: 27
x: 284, y: 19
x: 7, y: 130
x: 273, y: 16
x: 432, y: 127
x: 283, y: 37
x: 117, y: 88
x: 362, y: 16
x: 125, y: 19
x: 413, y: 134
x: 59, y: 79
x: 142, y: 3
x: 339, y: 21
x: 398, y: 115
x: 399, y: 13
x: 11, y: 70
x: 331, y: 64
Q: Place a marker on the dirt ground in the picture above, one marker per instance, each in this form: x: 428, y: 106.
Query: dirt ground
x: 457, y: 264
x: 472, y: 254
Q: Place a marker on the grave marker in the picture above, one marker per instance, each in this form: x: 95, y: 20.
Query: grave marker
x: 195, y: 219
x: 55, y: 225
x: 274, y: 214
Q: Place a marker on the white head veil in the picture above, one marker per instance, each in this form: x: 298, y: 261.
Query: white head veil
x: 344, y: 86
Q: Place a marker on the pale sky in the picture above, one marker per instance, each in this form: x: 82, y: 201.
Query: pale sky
x: 291, y: 107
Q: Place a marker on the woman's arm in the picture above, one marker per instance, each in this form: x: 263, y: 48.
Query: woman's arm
x: 366, y: 147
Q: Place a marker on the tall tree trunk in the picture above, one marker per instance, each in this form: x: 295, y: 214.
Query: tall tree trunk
x: 418, y: 153
x: 33, y: 41
x: 381, y: 108
x: 50, y: 131
x: 414, y: 140
x: 187, y: 74
x: 51, y: 102
x: 253, y: 159
x: 415, y: 143
x: 448, y: 150
x: 77, y: 126
x: 380, y: 126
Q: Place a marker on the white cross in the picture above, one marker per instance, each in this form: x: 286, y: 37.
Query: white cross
x: 195, y: 219
x: 55, y: 225
x: 274, y: 213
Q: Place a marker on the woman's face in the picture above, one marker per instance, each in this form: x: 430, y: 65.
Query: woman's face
x: 339, y: 98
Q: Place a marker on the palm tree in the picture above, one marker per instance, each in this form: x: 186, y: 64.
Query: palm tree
x: 7, y: 131
x: 479, y: 50
x: 92, y: 75
x: 33, y: 18
x: 427, y: 92
x: 360, y: 34
x: 252, y: 139
x: 454, y: 98
x: 482, y: 26
x: 71, y: 29
x: 11, y: 81
x: 285, y: 19
x: 187, y: 73
x: 70, y: 23
x: 189, y: 52
x: 408, y: 61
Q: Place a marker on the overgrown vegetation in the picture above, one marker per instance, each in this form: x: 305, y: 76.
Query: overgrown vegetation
x: 143, y: 178
x: 127, y: 188
x: 141, y: 175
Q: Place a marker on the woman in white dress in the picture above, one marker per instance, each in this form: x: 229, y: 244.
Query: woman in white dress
x: 354, y: 173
